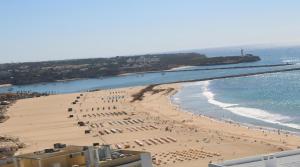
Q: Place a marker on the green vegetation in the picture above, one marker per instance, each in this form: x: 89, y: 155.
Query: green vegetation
x: 50, y: 71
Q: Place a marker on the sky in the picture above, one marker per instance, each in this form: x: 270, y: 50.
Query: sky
x: 38, y: 30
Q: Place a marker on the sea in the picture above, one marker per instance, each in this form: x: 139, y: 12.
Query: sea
x: 268, y: 100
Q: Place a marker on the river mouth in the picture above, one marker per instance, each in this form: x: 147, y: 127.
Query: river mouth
x: 142, y: 79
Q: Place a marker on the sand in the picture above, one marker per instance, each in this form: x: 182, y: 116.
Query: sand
x: 174, y: 137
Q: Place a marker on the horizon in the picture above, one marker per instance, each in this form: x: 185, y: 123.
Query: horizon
x: 200, y: 51
x: 54, y: 30
x: 149, y: 83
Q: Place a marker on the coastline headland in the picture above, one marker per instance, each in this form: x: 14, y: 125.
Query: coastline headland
x: 40, y: 87
x: 51, y: 71
x: 139, y: 118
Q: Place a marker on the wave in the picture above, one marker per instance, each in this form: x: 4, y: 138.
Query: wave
x: 295, y: 60
x: 253, y: 113
x: 181, y: 68
x: 176, y: 99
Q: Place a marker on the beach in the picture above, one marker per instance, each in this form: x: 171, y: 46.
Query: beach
x: 137, y: 118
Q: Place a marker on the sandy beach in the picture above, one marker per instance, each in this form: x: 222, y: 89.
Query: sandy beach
x: 147, y: 122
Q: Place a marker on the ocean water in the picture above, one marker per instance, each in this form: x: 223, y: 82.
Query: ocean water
x: 269, y: 100
x: 268, y: 56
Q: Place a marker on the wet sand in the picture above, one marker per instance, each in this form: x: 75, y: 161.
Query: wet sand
x: 153, y: 123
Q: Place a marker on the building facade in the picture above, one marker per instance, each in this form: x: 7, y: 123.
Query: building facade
x: 78, y: 156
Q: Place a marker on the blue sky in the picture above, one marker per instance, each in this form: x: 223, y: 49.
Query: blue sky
x: 36, y: 30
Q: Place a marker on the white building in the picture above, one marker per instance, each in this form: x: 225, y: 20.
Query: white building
x: 279, y: 159
x: 80, y: 156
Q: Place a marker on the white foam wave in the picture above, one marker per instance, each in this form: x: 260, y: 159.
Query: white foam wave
x: 181, y: 68
x: 193, y: 83
x: 295, y: 61
x: 211, y: 96
x: 176, y: 99
x: 253, y: 113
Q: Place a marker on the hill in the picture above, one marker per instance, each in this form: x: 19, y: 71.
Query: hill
x: 50, y: 71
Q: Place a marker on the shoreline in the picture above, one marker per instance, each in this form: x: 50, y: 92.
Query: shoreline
x: 245, y: 124
x: 242, y: 124
x: 154, y: 116
x: 245, y: 127
x: 166, y: 71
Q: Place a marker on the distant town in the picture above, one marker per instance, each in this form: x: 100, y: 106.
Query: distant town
x: 50, y: 71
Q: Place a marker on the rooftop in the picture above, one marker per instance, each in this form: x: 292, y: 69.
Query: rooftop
x: 79, y: 155
x: 55, y: 152
x: 279, y: 159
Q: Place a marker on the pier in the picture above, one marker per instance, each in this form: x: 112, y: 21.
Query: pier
x: 219, y: 68
x: 234, y: 76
